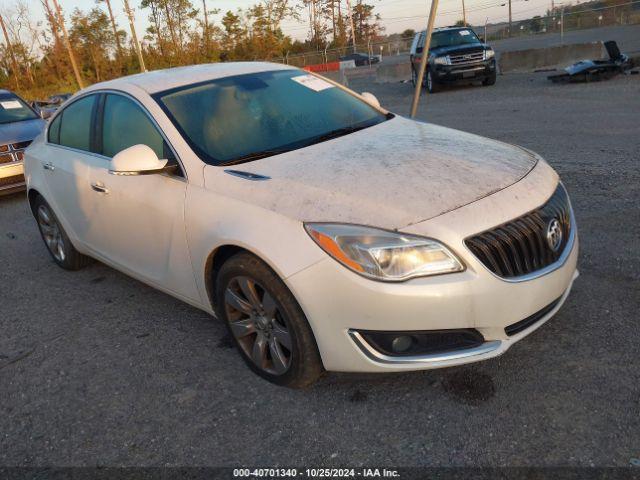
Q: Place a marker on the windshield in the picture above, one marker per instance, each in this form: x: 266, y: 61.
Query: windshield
x: 452, y: 38
x: 246, y: 117
x: 13, y: 109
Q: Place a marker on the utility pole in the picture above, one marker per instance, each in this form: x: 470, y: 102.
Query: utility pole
x: 205, y: 28
x: 136, y: 44
x: 425, y: 57
x: 115, y: 30
x: 65, y: 36
x: 562, y: 24
x: 509, y: 17
x: 464, y: 14
x: 353, y: 30
x: 13, y: 57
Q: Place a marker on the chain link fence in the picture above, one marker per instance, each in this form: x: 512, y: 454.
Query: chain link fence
x: 627, y: 13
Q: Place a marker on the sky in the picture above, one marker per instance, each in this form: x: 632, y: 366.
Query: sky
x: 397, y: 15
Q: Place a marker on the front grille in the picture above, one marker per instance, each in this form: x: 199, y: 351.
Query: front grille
x: 14, y: 152
x: 466, y: 58
x: 523, y: 246
x: 530, y: 320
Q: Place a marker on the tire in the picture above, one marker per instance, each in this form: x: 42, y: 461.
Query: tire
x: 432, y: 85
x: 490, y: 80
x: 56, y: 239
x: 266, y: 323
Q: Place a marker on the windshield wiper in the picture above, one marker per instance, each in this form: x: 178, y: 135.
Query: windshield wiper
x: 338, y: 132
x: 255, y: 156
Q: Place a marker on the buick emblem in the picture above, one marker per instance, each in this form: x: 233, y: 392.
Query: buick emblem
x: 554, y: 235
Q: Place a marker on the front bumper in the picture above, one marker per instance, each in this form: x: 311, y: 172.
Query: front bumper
x: 338, y: 302
x: 465, y: 72
x: 489, y: 349
x: 11, y: 177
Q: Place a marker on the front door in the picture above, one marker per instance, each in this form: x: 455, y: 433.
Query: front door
x: 140, y: 218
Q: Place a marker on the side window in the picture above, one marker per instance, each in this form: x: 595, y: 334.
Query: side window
x: 54, y: 130
x: 125, y: 124
x: 75, y: 127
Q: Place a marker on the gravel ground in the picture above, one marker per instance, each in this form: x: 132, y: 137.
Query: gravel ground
x: 99, y: 369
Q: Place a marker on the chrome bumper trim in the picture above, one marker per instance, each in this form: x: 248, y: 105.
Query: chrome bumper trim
x: 376, y: 356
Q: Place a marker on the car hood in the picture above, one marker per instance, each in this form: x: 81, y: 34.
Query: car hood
x: 20, y: 131
x: 391, y: 175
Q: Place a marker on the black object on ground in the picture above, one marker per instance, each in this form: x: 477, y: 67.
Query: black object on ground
x: 595, y: 70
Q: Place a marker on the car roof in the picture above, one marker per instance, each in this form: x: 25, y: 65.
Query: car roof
x: 3, y: 91
x: 444, y: 29
x: 166, y: 79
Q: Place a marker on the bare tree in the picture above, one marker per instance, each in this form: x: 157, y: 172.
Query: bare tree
x: 65, y: 34
x: 10, y: 49
x: 53, y: 25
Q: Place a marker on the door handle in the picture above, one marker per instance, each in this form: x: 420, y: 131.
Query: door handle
x: 48, y: 166
x: 99, y: 188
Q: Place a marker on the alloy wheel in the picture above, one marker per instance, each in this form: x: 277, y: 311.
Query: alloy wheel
x: 51, y: 233
x: 258, y: 324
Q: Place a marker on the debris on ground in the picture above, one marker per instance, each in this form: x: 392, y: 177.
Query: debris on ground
x: 596, y: 70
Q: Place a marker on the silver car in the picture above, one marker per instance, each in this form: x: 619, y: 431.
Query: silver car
x: 19, y: 125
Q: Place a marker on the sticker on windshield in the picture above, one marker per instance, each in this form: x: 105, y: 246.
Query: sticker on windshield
x: 11, y: 104
x: 464, y: 32
x: 312, y: 82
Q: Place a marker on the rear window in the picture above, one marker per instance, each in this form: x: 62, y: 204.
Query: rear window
x: 75, y: 129
x: 14, y: 109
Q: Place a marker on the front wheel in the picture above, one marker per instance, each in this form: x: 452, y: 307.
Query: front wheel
x: 490, y: 80
x: 266, y: 323
x: 432, y: 85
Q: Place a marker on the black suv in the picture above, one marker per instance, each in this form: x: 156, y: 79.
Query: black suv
x: 456, y: 55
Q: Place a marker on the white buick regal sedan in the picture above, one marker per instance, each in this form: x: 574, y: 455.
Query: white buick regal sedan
x: 326, y: 232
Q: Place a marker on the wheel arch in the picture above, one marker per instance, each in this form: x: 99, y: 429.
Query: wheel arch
x: 32, y: 194
x: 218, y: 257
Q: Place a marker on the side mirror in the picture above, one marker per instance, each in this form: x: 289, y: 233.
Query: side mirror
x: 371, y: 99
x: 137, y: 160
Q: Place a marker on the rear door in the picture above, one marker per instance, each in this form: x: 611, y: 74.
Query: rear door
x: 67, y: 167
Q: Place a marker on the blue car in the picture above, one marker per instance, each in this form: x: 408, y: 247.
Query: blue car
x: 19, y: 125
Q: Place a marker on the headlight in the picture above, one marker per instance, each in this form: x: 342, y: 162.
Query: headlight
x: 442, y: 60
x: 489, y: 54
x: 381, y: 254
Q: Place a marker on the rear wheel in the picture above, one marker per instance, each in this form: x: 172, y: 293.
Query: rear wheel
x: 266, y: 323
x: 56, y: 239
